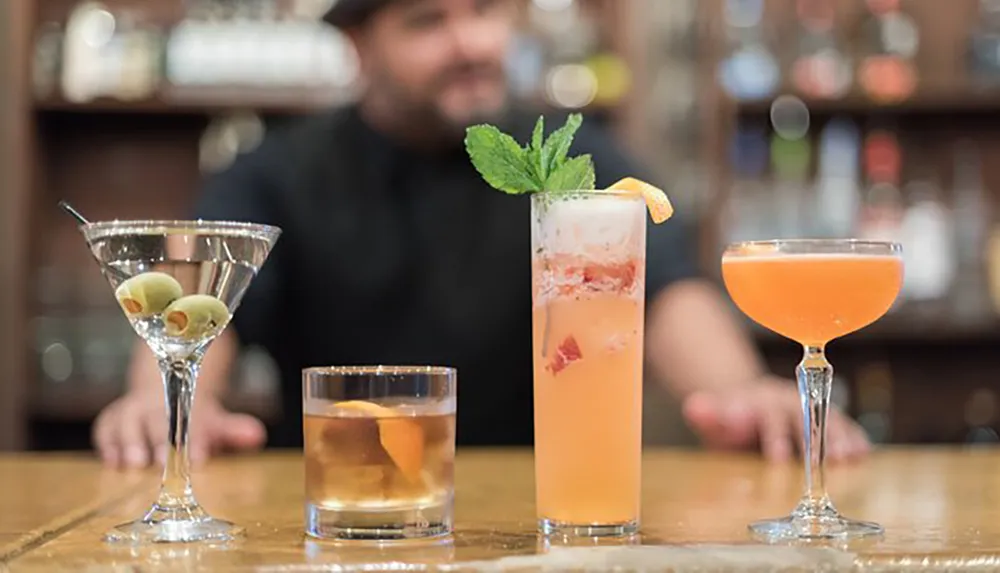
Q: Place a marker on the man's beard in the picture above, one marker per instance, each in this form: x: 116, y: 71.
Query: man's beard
x: 426, y: 119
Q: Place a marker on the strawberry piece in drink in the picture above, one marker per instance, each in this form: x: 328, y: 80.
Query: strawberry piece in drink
x: 617, y: 278
x: 567, y: 353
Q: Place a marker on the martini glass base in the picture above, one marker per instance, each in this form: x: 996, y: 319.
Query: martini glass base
x: 167, y: 527
x: 813, y: 529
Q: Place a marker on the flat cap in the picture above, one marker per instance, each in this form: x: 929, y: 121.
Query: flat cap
x: 347, y: 13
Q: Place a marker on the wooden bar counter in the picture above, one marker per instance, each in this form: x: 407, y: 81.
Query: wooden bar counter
x: 940, y: 509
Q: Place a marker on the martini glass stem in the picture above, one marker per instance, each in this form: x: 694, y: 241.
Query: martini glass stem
x: 815, y: 377
x: 179, y: 377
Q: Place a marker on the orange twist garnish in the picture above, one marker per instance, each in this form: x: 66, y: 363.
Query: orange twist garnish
x: 656, y: 200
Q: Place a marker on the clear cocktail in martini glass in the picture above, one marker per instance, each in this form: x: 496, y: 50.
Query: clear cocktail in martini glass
x: 178, y: 283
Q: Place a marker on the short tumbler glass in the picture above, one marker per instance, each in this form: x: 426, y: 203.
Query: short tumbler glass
x: 379, y: 451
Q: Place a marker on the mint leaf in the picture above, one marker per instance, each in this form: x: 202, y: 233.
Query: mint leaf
x: 557, y: 146
x: 537, y: 144
x: 539, y: 166
x: 577, y: 174
x: 502, y: 162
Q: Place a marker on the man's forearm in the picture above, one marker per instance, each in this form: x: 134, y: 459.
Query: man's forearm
x: 213, y: 379
x: 693, y: 342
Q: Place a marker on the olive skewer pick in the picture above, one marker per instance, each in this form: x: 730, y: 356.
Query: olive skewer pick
x: 83, y: 221
x: 73, y: 212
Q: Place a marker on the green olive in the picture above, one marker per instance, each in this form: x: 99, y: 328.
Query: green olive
x: 195, y: 316
x: 147, y: 294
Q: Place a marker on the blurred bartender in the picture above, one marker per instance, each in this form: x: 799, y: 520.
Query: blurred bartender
x: 395, y: 251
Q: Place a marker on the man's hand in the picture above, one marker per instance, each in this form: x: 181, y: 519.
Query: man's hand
x: 767, y: 415
x: 131, y: 432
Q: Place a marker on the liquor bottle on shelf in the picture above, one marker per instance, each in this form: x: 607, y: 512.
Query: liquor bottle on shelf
x: 926, y: 234
x: 972, y: 218
x: 256, y: 373
x: 886, y: 50
x: 749, y: 211
x: 141, y: 58
x: 673, y: 61
x: 750, y: 69
x: 820, y: 68
x: 676, y: 25
x: 837, y: 194
x: 875, y: 401
x: 981, y: 417
x: 672, y: 106
x: 46, y: 63
x: 983, y: 57
x: 558, y: 37
x: 108, y: 54
x: 882, y: 204
x: 222, y: 49
x: 581, y: 68
x: 793, y: 195
x: 525, y: 64
x: 105, y: 337
x: 55, y: 337
x: 612, y: 75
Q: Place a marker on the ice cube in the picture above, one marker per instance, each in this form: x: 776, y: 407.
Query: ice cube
x: 338, y: 484
x: 347, y: 441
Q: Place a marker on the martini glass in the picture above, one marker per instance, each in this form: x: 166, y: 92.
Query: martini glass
x: 178, y: 283
x: 813, y: 291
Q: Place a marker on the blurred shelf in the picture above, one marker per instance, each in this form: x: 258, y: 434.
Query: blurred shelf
x: 206, y: 103
x: 70, y: 403
x: 958, y: 98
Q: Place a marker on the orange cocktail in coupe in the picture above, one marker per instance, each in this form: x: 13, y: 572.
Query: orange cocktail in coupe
x: 588, y: 254
x: 813, y: 291
x: 823, y: 296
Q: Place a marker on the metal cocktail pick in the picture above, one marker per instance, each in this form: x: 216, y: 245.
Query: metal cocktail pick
x: 73, y: 213
x: 83, y: 221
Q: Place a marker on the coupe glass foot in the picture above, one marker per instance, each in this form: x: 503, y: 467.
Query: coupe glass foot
x: 813, y: 529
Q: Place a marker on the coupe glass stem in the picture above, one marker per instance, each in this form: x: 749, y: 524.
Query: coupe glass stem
x: 179, y: 378
x: 815, y: 377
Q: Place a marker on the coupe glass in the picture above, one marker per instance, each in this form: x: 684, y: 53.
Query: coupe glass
x: 813, y: 291
x: 178, y: 283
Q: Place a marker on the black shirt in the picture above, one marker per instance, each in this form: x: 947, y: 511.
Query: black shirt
x: 393, y: 256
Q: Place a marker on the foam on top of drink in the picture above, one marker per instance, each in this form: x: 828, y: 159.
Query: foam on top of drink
x: 780, y: 257
x: 610, y: 226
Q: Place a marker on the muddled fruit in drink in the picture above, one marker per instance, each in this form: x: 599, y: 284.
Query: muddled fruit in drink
x: 361, y: 455
x: 588, y: 360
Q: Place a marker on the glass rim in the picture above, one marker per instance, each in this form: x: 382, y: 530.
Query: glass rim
x: 115, y: 227
x: 398, y: 370
x: 891, y: 247
x: 586, y: 193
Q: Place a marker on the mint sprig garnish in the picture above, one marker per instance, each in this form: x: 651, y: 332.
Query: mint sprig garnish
x: 540, y: 166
